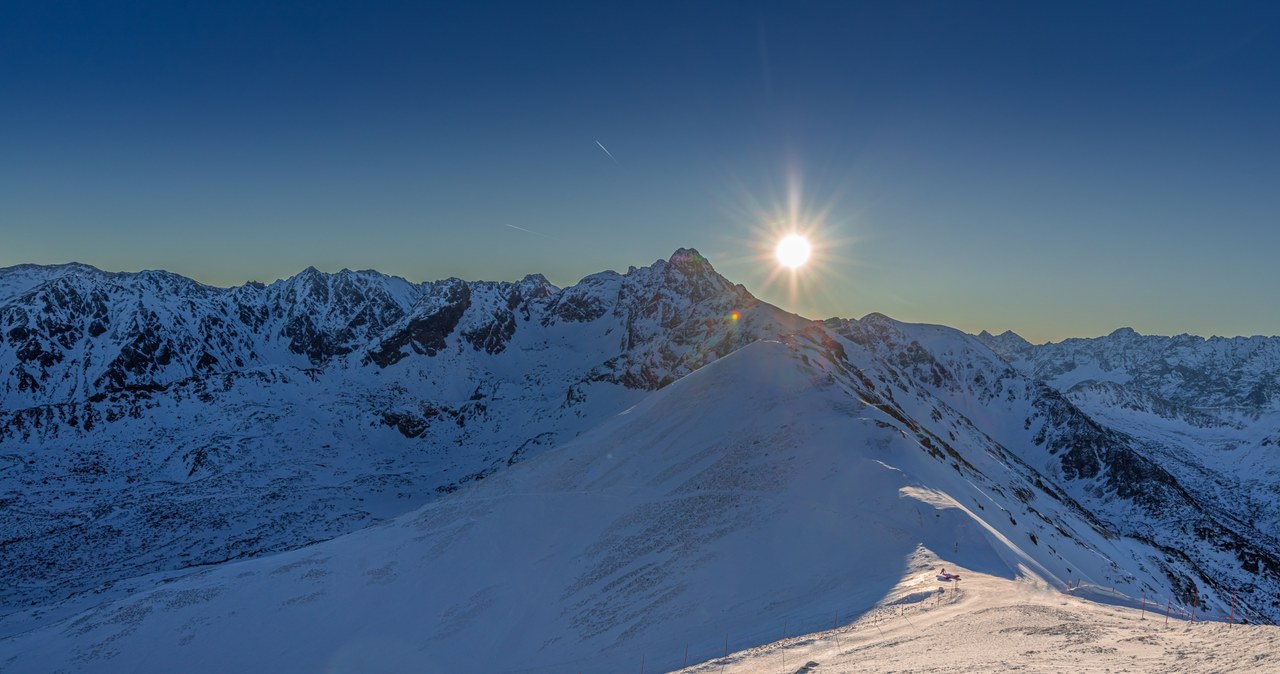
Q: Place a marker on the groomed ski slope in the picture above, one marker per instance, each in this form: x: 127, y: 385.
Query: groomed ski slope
x: 987, y: 624
x: 752, y: 492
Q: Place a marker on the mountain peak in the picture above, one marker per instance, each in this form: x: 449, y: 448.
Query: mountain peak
x: 536, y: 282
x: 1006, y: 344
x: 689, y: 260
x: 21, y: 278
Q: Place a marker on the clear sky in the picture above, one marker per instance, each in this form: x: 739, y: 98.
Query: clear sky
x: 1055, y: 168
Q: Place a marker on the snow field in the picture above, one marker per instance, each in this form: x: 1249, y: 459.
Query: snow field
x: 991, y: 624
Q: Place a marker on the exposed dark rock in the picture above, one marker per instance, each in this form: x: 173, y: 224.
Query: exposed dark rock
x: 493, y: 336
x: 425, y: 334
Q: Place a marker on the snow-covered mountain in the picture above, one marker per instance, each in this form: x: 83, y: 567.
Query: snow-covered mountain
x: 1239, y: 373
x: 771, y: 485
x: 635, y: 457
x: 1206, y: 410
x: 152, y: 423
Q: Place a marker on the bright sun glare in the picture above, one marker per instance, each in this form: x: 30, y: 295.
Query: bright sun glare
x: 791, y: 245
x: 792, y: 251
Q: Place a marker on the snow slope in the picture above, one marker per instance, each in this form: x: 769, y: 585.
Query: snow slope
x: 990, y: 624
x: 1111, y: 472
x: 1206, y: 410
x: 752, y: 490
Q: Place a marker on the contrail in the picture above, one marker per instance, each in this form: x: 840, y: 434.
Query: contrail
x: 520, y: 228
x: 606, y: 151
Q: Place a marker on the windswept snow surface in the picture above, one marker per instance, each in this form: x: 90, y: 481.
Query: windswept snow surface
x: 752, y: 492
x: 985, y: 624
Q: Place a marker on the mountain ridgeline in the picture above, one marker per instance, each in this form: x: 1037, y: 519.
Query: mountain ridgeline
x: 150, y: 424
x: 1219, y: 373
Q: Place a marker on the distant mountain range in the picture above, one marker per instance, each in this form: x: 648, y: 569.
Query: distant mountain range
x: 1226, y: 373
x: 152, y: 427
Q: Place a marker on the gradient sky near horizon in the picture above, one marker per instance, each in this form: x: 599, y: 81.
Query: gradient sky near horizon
x: 1055, y: 168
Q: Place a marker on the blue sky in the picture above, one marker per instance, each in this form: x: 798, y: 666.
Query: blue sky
x: 1056, y: 168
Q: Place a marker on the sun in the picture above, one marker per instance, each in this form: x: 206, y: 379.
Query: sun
x: 793, y: 251
x: 796, y: 249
